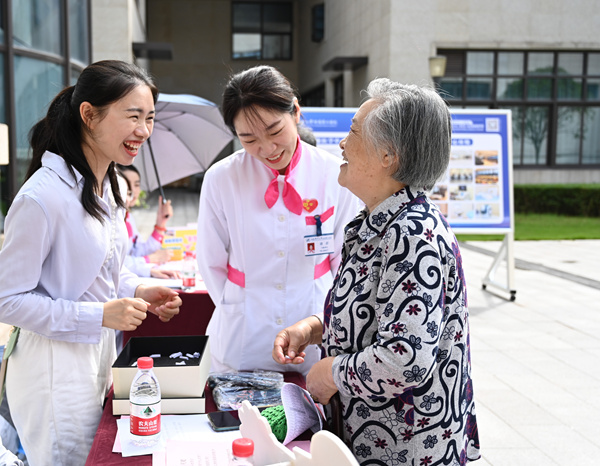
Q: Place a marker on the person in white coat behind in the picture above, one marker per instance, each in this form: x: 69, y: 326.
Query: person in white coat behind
x: 61, y: 275
x: 270, y: 227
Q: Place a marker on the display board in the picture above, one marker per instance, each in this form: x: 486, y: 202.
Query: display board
x: 475, y: 194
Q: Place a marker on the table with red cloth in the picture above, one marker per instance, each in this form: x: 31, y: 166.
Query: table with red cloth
x: 193, y: 318
x: 101, y: 452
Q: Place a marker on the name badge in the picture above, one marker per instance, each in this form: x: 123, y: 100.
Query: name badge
x: 315, y: 245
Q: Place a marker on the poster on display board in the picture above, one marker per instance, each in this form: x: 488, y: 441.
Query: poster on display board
x: 475, y: 194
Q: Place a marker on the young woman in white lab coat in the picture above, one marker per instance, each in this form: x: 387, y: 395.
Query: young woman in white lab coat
x: 60, y: 266
x: 270, y: 227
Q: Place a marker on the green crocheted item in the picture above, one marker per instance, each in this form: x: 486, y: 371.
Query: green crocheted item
x: 276, y: 417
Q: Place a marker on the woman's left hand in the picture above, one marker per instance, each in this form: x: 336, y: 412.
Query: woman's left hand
x: 160, y: 273
x: 319, y: 381
x: 165, y: 211
x: 164, y: 302
x: 161, y: 256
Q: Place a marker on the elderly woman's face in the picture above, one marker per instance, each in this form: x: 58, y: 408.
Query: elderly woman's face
x: 271, y: 138
x: 362, y: 171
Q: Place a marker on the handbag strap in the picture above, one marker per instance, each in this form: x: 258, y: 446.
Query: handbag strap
x: 8, y: 349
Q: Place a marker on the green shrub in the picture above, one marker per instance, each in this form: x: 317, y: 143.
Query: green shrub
x: 571, y: 200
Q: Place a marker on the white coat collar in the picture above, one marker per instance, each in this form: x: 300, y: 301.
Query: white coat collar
x: 58, y: 165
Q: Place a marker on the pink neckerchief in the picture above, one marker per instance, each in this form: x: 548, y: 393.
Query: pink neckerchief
x: 128, y: 225
x: 291, y: 198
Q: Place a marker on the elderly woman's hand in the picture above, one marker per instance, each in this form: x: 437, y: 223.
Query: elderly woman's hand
x: 291, y: 342
x: 319, y: 381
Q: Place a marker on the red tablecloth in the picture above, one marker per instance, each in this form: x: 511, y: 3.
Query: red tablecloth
x: 101, y: 453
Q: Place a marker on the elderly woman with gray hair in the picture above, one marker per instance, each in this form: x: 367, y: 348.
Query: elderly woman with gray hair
x: 395, y: 330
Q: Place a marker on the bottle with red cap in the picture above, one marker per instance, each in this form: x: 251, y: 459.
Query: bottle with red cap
x: 144, y: 405
x: 243, y: 452
x: 188, y: 271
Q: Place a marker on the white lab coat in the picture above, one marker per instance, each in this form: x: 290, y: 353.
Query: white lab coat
x: 56, y: 272
x: 236, y: 227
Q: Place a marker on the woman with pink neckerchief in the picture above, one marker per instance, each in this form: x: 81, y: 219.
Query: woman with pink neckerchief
x: 270, y: 225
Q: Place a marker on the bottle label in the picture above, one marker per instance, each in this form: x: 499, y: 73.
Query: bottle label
x: 189, y: 282
x: 144, y: 419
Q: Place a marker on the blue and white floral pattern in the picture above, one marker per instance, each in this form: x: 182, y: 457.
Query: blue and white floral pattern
x: 397, y: 320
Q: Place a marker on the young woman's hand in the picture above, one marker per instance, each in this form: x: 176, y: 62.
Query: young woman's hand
x: 164, y: 213
x: 160, y: 273
x: 124, y: 314
x: 163, y: 302
x: 161, y: 256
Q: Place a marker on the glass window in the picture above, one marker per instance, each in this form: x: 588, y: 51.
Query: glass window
x: 78, y: 30
x: 246, y: 46
x: 277, y: 17
x: 591, y: 136
x: 534, y: 131
x: 74, y: 76
x: 593, y: 64
x: 246, y: 17
x: 1, y: 24
x: 593, y: 89
x: 539, y: 88
x: 510, y: 62
x: 480, y: 62
x: 568, y: 135
x: 37, y: 24
x: 543, y: 89
x: 509, y: 88
x: 479, y: 88
x: 36, y: 84
x: 517, y: 133
x: 451, y: 88
x: 262, y: 30
x: 276, y: 47
x: 570, y: 63
x: 569, y: 88
x: 318, y: 23
x: 540, y: 63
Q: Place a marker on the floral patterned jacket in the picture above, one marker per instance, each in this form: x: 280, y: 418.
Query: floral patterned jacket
x: 397, y: 320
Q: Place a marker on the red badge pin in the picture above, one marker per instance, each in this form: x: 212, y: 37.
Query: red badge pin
x: 310, y: 204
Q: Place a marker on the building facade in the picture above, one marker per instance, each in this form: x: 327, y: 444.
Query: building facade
x: 539, y: 59
x: 44, y: 45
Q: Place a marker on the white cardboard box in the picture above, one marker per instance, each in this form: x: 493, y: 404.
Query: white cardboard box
x: 175, y: 381
x: 167, y: 406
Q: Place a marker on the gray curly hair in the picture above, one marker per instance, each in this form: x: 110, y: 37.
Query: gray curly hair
x: 413, y: 125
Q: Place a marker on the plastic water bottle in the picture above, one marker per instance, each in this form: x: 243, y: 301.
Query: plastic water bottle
x: 189, y: 270
x: 144, y: 405
x: 243, y: 452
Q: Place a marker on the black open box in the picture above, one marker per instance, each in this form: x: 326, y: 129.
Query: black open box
x: 176, y: 381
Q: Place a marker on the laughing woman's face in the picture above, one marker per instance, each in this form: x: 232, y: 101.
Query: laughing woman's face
x: 362, y: 171
x: 268, y: 136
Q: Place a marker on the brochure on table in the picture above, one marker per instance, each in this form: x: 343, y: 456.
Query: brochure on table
x: 174, y: 431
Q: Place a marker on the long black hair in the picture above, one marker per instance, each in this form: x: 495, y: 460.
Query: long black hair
x: 61, y: 130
